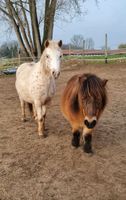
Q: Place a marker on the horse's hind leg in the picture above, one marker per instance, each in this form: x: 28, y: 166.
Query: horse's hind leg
x: 44, y: 115
x: 23, y: 110
x: 76, y: 137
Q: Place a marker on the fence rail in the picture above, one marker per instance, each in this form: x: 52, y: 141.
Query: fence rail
x: 87, y: 55
x: 93, y: 52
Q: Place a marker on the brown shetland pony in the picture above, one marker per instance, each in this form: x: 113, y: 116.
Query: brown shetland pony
x: 82, y: 103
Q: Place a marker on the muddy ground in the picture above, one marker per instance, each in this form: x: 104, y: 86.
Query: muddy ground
x: 50, y: 169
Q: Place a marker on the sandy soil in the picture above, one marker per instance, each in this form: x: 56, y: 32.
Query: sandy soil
x: 50, y: 169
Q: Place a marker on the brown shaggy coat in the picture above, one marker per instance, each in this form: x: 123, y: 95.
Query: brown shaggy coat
x: 79, y: 90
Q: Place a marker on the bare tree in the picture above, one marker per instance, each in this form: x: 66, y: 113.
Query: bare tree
x: 13, y: 12
x: 89, y: 43
x: 77, y: 41
x: 122, y: 46
x: 26, y: 19
x: 9, y: 49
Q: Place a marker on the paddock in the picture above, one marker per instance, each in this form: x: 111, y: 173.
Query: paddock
x: 33, y: 168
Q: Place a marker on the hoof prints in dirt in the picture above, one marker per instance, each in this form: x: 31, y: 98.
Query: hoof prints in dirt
x: 49, y: 168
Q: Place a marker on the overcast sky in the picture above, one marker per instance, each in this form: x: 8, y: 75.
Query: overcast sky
x: 108, y: 17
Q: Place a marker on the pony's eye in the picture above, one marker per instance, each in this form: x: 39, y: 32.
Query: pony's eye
x: 47, y: 56
x: 60, y: 56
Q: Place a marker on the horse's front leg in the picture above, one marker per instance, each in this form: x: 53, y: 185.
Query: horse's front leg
x: 34, y: 112
x: 76, y: 137
x: 40, y: 118
x: 87, y: 137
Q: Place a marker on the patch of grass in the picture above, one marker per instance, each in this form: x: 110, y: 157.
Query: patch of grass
x: 93, y: 57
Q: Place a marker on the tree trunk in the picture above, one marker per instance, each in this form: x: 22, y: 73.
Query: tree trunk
x: 17, y: 31
x: 50, y: 8
x: 27, y: 26
x: 22, y: 29
x: 35, y: 27
x: 20, y: 12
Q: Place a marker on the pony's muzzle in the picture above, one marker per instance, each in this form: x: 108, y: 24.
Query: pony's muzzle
x: 89, y: 124
x: 55, y: 74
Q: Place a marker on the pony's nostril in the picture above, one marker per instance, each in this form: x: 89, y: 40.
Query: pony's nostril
x: 90, y: 124
x: 93, y: 123
x: 86, y: 122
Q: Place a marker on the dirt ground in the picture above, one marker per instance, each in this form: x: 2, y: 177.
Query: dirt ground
x: 32, y: 168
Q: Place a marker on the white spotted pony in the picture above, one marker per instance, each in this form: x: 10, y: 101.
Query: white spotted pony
x: 35, y: 82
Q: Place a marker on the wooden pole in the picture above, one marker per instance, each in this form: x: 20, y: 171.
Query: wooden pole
x: 19, y: 56
x: 83, y: 47
x: 12, y: 56
x: 69, y: 50
x: 106, y: 48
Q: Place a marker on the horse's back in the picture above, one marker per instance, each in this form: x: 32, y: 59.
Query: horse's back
x: 24, y: 68
x: 22, y: 80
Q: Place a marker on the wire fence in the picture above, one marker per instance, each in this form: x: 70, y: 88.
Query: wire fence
x: 87, y: 55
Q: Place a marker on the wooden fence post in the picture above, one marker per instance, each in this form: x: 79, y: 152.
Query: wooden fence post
x: 69, y: 50
x: 106, y: 48
x: 83, y: 47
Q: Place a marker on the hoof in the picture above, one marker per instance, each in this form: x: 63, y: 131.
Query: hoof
x: 42, y: 135
x: 75, y: 143
x: 87, y: 148
x: 23, y: 120
x: 45, y: 135
x: 76, y: 140
x: 35, y: 118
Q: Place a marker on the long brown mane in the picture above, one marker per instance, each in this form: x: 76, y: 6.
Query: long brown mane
x: 83, y: 87
x: 92, y: 86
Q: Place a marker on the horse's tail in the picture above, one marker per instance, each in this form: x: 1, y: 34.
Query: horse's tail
x: 30, y: 107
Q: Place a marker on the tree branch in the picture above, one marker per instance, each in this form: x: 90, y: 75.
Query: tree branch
x: 27, y: 24
x: 15, y: 14
x: 20, y: 5
x: 16, y: 27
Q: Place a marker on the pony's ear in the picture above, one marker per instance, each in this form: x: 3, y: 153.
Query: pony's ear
x: 46, y: 44
x: 104, y: 81
x: 81, y: 78
x: 60, y: 43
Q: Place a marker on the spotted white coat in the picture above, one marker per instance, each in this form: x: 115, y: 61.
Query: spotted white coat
x: 35, y: 82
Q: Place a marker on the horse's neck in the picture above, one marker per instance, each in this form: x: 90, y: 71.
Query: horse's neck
x: 40, y: 67
x: 45, y: 76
